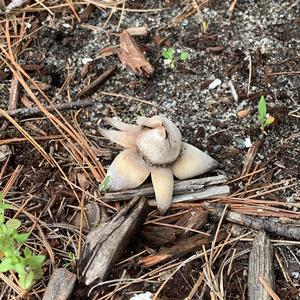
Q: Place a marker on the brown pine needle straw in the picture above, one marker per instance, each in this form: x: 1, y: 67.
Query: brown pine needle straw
x: 268, y: 288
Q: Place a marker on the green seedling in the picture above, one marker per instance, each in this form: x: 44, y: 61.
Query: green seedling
x: 184, y: 56
x: 264, y: 118
x: 171, y: 59
x: 70, y: 260
x: 13, y: 255
x: 204, y: 26
x: 104, y: 185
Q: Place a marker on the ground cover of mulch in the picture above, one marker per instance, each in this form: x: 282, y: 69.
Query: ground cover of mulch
x: 238, y: 52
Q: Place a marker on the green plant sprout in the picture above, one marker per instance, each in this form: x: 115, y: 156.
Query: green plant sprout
x: 264, y: 118
x: 104, y: 185
x: 28, y: 266
x: 70, y: 260
x: 171, y: 59
x: 204, y: 26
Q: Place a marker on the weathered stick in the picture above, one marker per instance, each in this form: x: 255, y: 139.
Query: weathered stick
x: 182, y: 247
x: 271, y: 225
x: 250, y: 156
x: 61, y: 285
x: 22, y: 113
x: 204, y: 188
x: 14, y: 94
x: 105, y: 244
x: 94, y: 85
x: 260, y: 266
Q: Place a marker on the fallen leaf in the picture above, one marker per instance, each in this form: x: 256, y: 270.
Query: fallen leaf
x: 131, y: 56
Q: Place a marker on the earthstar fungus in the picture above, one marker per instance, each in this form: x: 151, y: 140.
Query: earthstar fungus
x: 153, y: 146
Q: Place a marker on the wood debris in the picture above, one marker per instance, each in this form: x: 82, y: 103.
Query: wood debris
x: 260, y: 265
x: 270, y: 225
x: 186, y: 190
x: 99, y: 81
x: 132, y: 57
x: 23, y: 113
x: 182, y: 247
x: 106, y: 243
x: 61, y: 285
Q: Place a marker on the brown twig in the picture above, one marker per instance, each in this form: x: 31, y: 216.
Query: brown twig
x: 271, y: 225
x: 23, y: 113
x: 94, y: 85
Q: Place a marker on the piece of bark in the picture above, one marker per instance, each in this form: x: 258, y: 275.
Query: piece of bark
x: 156, y: 236
x: 137, y: 31
x: 95, y: 85
x: 260, y: 265
x: 22, y: 113
x: 91, y: 219
x: 270, y: 225
x: 14, y: 93
x: 248, y: 161
x: 185, y: 187
x: 105, y: 244
x: 85, y: 15
x: 132, y: 57
x: 181, y: 248
x: 159, y: 235
x: 195, y: 218
x: 108, y: 51
x: 61, y: 285
x: 216, y: 49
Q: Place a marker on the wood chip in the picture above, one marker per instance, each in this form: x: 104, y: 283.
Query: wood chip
x: 132, y: 57
x: 93, y: 216
x: 260, y: 265
x: 108, y: 51
x: 182, y: 247
x: 250, y: 156
x: 243, y: 113
x: 61, y: 285
x: 106, y: 243
x: 138, y: 30
x: 216, y: 49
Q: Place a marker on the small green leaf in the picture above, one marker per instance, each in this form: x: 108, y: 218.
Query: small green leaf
x: 20, y: 268
x: 26, y: 280
x: 184, y: 56
x: 262, y: 110
x: 168, y: 54
x: 21, y: 238
x: 27, y: 252
x: 35, y: 261
x: 6, y: 264
x: 13, y: 224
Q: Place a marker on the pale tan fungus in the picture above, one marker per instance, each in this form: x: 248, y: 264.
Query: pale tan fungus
x: 153, y: 146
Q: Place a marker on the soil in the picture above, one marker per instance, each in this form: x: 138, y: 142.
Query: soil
x: 261, y: 38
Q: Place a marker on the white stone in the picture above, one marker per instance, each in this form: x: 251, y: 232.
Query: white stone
x: 248, y: 143
x: 214, y: 84
x: 145, y: 296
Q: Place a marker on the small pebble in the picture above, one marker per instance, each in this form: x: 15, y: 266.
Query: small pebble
x: 243, y: 113
x: 214, y: 84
